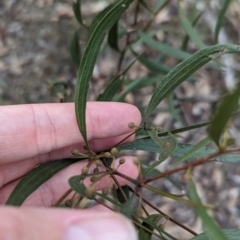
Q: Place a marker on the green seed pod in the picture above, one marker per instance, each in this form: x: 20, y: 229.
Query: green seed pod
x: 107, y: 155
x: 90, y: 192
x: 99, y: 163
x: 75, y: 152
x: 122, y: 160
x: 85, y: 147
x: 105, y: 191
x: 139, y: 212
x: 136, y: 161
x: 131, y: 125
x: 158, y: 128
x: 68, y: 203
x: 167, y: 144
x: 94, y: 179
x: 85, y: 170
x: 114, y: 151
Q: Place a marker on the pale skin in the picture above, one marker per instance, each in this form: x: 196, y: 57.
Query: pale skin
x: 34, y: 134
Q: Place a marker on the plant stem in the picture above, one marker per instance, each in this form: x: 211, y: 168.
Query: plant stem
x: 165, y: 215
x: 198, y: 162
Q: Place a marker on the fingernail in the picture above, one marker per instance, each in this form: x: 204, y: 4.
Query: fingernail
x: 102, y: 228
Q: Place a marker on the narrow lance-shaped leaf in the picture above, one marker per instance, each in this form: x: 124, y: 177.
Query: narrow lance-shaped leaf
x: 89, y: 58
x: 34, y: 179
x: 224, y: 112
x: 75, y: 49
x: 120, y: 196
x: 113, y: 37
x: 183, y: 70
x: 182, y: 149
x: 151, y: 65
x: 114, y: 85
x: 111, y: 89
x: 76, y: 6
x: 212, y: 230
x: 193, y: 150
x: 163, y: 48
x: 186, y: 38
x: 166, y: 145
x: 189, y: 29
x: 127, y: 207
x: 145, y: 6
x: 231, y: 234
x: 75, y: 184
x: 137, y: 83
x: 149, y: 223
x: 221, y: 18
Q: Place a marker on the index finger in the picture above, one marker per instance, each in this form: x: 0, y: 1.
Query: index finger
x: 35, y: 129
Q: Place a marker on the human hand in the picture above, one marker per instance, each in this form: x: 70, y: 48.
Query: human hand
x: 33, y: 134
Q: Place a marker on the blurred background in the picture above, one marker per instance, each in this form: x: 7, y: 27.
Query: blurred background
x: 36, y: 67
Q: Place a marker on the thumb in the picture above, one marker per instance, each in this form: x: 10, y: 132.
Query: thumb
x: 56, y: 224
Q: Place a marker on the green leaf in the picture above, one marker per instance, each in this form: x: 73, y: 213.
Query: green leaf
x: 114, y: 85
x: 186, y: 38
x: 168, y: 195
x: 109, y: 199
x: 163, y: 48
x: 75, y: 49
x: 146, y: 144
x: 166, y: 145
x: 145, y: 6
x: 75, y: 184
x: 222, y: 115
x: 34, y: 179
x: 120, y: 196
x: 231, y: 234
x: 189, y: 29
x: 127, y: 207
x: 172, y: 109
x: 113, y: 37
x: 183, y: 70
x: 221, y: 18
x: 89, y: 58
x: 183, y: 149
x: 212, y: 230
x: 150, y: 222
x: 151, y: 65
x: 111, y: 89
x: 76, y: 6
x: 191, y: 152
x: 138, y: 83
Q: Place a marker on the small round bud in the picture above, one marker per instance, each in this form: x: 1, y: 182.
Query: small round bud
x: 122, y: 160
x: 114, y: 151
x: 167, y: 144
x: 131, y: 125
x: 105, y: 191
x: 68, y: 203
x: 99, y: 163
x: 162, y: 226
x: 158, y: 128
x: 139, y: 212
x: 94, y: 179
x: 136, y: 161
x: 107, y: 155
x: 85, y: 170
x: 75, y: 152
x: 90, y: 192
x: 96, y: 170
x: 230, y: 141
